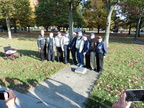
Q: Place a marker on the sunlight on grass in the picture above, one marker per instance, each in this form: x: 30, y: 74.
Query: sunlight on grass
x: 123, y: 70
x: 27, y: 71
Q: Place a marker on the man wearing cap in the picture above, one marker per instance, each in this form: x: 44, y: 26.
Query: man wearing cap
x: 79, y: 47
x: 58, y: 39
x: 101, y: 51
x: 72, y: 47
x: 93, y: 43
x: 41, y: 42
x: 65, y: 47
x: 51, y: 47
x: 86, y: 51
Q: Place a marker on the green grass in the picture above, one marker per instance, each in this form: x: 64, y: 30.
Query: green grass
x: 124, y: 69
x: 27, y: 71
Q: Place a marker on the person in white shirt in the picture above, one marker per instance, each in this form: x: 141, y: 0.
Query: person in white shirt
x: 65, y: 47
x: 58, y: 39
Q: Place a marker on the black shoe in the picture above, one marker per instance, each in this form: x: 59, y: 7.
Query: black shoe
x: 99, y: 71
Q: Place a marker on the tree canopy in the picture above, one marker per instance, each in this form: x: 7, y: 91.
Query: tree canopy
x: 96, y: 14
x: 53, y: 12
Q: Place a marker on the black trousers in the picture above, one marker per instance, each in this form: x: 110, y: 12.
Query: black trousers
x: 51, y: 55
x: 59, y: 54
x: 66, y: 54
x: 42, y: 53
x: 87, y: 59
x: 99, y: 59
x: 73, y: 53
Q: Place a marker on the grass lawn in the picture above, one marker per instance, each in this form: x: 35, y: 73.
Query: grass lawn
x: 27, y: 71
x: 124, y: 69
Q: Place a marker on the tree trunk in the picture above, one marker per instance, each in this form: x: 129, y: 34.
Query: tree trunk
x: 15, y: 27
x: 8, y: 28
x: 129, y: 30
x: 108, y: 23
x: 137, y: 29
x: 25, y: 28
x: 98, y: 28
x: 58, y: 28
x: 28, y: 29
x: 46, y: 27
x: 70, y: 18
x: 140, y: 27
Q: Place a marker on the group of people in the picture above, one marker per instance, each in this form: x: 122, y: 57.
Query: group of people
x: 81, y: 47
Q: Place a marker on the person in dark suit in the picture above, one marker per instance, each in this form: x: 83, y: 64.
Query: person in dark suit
x: 86, y: 51
x: 72, y: 47
x: 51, y: 47
x: 101, y: 51
x: 41, y: 41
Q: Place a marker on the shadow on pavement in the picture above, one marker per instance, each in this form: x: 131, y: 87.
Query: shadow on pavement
x: 58, y: 95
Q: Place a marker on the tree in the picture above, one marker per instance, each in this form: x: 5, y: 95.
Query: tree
x: 134, y: 9
x: 110, y: 4
x: 96, y: 14
x: 54, y: 12
x: 7, y: 9
x: 25, y: 15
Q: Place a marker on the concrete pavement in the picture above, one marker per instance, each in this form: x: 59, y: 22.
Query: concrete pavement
x: 65, y: 89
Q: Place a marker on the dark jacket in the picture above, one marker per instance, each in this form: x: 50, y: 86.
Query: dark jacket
x: 101, y: 48
x: 48, y: 43
x: 93, y: 43
x: 41, y: 42
x: 86, y: 47
x: 72, y: 44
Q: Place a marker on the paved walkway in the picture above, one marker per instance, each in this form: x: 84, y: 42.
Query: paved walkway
x: 65, y: 89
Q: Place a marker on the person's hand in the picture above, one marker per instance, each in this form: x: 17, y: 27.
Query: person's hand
x: 39, y: 48
x: 121, y: 103
x: 84, y: 53
x: 10, y: 98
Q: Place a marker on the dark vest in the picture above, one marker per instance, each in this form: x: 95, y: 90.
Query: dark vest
x: 50, y: 44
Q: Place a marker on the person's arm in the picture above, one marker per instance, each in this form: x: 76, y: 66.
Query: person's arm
x: 122, y: 103
x: 88, y: 47
x: 104, y: 49
x: 81, y: 46
x: 62, y: 43
x: 10, y: 99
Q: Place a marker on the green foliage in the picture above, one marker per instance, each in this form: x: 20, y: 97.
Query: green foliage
x: 19, y: 10
x: 23, y: 13
x: 7, y: 8
x: 79, y: 20
x: 96, y: 14
x: 53, y: 12
x: 50, y: 12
